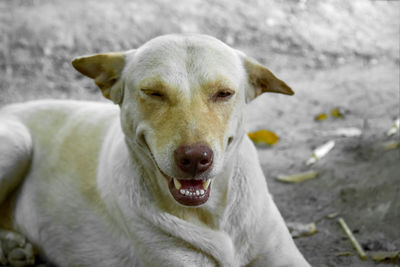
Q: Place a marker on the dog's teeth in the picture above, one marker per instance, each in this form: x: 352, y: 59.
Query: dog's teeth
x: 177, y: 184
x: 206, y: 184
x: 191, y: 193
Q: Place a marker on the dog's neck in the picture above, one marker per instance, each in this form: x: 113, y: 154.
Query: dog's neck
x: 128, y: 192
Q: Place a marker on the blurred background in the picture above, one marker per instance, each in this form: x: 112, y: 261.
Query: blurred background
x: 338, y: 56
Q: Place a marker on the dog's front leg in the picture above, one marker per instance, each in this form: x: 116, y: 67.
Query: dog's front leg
x: 15, y: 157
x: 267, y: 232
x: 279, y: 248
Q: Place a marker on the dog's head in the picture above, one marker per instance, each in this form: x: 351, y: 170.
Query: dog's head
x: 181, y: 100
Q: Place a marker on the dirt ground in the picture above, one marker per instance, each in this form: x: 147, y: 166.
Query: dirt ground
x: 332, y: 53
x: 358, y: 179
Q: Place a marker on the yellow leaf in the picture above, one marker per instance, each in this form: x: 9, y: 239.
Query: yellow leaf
x: 264, y: 137
x: 321, y: 117
x: 337, y: 113
x: 299, y: 229
x: 387, y: 256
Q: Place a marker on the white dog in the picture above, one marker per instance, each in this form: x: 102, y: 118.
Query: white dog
x: 166, y: 178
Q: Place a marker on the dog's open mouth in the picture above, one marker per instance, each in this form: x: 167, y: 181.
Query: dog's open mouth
x: 190, y: 192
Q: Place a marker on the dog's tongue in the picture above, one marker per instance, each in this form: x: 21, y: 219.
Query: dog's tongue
x: 191, y: 185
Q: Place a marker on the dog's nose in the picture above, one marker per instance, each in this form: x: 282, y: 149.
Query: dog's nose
x: 194, y: 159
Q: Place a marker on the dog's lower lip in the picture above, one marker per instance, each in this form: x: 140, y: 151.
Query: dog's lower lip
x: 189, y: 192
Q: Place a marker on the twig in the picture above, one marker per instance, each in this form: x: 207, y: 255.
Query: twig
x: 353, y: 240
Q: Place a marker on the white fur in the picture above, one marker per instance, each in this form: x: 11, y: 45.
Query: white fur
x: 93, y: 195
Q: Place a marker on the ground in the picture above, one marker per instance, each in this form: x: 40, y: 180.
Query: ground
x: 332, y: 53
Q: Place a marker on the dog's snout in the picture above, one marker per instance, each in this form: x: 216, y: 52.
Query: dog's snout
x: 194, y: 159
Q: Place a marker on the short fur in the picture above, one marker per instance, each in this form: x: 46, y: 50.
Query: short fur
x: 89, y: 179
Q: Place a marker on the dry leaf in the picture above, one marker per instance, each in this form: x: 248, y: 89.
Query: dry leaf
x: 299, y: 229
x: 321, y: 117
x: 389, y: 145
x: 298, y: 177
x: 337, y: 113
x: 394, y: 129
x: 332, y: 215
x: 344, y: 253
x: 347, y: 132
x: 387, y: 256
x: 342, y: 132
x: 320, y: 152
x: 264, y: 137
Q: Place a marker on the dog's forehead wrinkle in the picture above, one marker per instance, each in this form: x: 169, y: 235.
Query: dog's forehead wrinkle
x: 186, y: 62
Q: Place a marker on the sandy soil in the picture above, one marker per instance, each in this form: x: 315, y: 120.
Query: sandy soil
x: 358, y: 179
x: 332, y: 53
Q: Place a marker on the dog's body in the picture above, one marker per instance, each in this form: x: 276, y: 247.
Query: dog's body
x: 99, y: 184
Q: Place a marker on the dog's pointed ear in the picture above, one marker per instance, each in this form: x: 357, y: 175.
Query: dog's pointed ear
x: 262, y: 80
x: 105, y: 70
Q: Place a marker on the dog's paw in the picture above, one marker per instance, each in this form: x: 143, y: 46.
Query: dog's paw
x: 15, y: 250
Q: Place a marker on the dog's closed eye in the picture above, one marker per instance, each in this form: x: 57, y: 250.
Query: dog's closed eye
x: 223, y: 95
x: 153, y: 93
x: 156, y: 94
